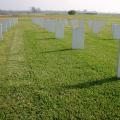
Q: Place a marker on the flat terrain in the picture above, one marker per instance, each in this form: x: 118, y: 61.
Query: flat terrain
x: 42, y: 78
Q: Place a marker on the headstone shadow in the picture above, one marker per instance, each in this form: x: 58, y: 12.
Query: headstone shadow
x: 61, y: 50
x: 50, y: 38
x: 107, y: 39
x: 91, y: 83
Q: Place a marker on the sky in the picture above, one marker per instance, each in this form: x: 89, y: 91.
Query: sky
x: 91, y: 5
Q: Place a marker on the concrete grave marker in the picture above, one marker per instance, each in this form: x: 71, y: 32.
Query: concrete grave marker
x: 52, y: 25
x: 97, y: 26
x: 59, y: 31
x: 82, y: 25
x: 48, y: 25
x: 74, y: 23
x: 116, y: 31
x: 66, y: 23
x: 78, y: 38
x: 116, y: 35
x: 90, y: 23
x: 118, y: 68
x: 5, y: 26
x: 1, y: 33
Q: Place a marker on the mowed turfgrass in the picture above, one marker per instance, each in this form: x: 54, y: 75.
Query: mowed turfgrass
x: 42, y: 78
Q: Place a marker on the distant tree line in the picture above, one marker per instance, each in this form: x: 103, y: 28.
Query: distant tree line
x: 35, y: 10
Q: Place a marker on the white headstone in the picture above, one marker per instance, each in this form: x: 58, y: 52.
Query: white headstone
x: 74, y: 23
x: 116, y: 31
x: 49, y: 25
x: 52, y: 26
x: 90, y: 23
x: 45, y: 24
x: 82, y: 25
x: 116, y: 35
x: 118, y: 68
x: 5, y: 26
x: 59, y: 31
x: 78, y: 38
x: 97, y: 26
x: 66, y: 23
x: 1, y: 33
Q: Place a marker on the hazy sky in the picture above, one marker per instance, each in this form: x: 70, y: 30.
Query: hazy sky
x: 93, y: 5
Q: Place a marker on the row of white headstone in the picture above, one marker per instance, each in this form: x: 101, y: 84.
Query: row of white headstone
x: 5, y: 24
x: 57, y: 26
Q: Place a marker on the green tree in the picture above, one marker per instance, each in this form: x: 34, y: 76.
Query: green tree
x: 72, y: 12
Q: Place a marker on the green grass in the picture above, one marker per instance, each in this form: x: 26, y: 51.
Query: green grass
x: 42, y: 78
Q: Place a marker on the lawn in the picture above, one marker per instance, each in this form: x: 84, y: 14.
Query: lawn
x: 42, y: 78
